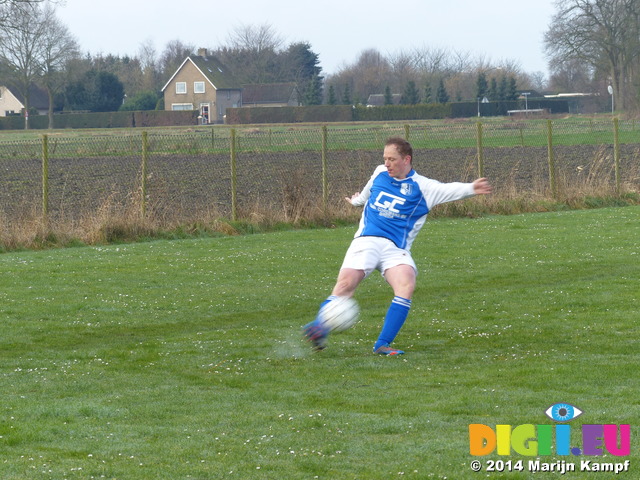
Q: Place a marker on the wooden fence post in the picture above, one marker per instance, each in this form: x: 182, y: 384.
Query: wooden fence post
x: 45, y: 176
x: 552, y: 161
x: 480, y: 150
x: 234, y: 183
x: 616, y: 153
x: 325, y: 182
x: 143, y: 180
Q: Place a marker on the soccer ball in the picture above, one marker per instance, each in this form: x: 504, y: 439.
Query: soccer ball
x: 339, y: 314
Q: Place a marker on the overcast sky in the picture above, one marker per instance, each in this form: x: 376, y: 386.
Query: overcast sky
x: 337, y: 30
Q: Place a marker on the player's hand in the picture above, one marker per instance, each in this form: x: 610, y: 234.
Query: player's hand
x: 482, y: 187
x: 352, y: 198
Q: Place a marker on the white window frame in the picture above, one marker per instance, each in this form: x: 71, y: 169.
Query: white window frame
x: 205, y: 108
x: 181, y: 88
x: 198, y: 87
x: 181, y: 106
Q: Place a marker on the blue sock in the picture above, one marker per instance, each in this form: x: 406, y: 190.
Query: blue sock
x: 393, y: 321
x: 331, y: 297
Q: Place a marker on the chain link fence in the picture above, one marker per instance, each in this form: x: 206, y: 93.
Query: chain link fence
x: 293, y: 171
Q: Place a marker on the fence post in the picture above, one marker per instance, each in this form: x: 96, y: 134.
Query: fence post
x: 45, y: 176
x: 551, y: 160
x: 480, y: 149
x: 325, y: 183
x: 234, y: 185
x: 616, y: 153
x: 143, y: 180
x: 406, y: 132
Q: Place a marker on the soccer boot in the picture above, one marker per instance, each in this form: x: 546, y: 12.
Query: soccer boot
x: 316, y: 334
x: 387, y: 350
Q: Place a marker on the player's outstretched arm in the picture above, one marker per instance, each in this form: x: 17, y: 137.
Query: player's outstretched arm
x: 482, y: 186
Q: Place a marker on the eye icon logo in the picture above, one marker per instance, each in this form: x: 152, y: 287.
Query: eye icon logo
x: 562, y: 412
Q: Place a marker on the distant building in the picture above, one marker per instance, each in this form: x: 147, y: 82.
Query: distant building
x: 203, y: 83
x: 271, y: 95
x: 582, y: 103
x: 377, y: 99
x: 12, y: 102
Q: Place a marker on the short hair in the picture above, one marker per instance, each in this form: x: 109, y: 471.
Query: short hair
x: 404, y: 147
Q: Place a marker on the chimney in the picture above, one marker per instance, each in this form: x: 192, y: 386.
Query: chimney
x: 202, y: 52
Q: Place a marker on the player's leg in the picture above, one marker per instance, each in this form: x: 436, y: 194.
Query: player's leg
x: 361, y: 258
x: 348, y: 281
x: 402, y: 279
x: 346, y: 284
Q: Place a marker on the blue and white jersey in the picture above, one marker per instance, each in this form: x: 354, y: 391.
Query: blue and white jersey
x: 397, y: 209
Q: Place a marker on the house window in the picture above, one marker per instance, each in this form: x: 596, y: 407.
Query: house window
x: 181, y: 87
x: 181, y: 106
x: 198, y: 87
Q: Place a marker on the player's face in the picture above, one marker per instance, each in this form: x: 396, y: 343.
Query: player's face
x: 397, y: 165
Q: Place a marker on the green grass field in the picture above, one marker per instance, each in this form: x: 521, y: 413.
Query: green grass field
x: 183, y: 360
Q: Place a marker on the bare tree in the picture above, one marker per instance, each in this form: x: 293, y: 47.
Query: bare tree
x: 431, y: 60
x: 251, y: 52
x: 370, y: 74
x: 571, y: 76
x: 172, y: 57
x: 593, y: 31
x: 21, y: 41
x: 149, y: 67
x: 34, y: 45
x: 259, y: 38
x: 6, y: 17
x: 58, y: 48
x: 425, y: 66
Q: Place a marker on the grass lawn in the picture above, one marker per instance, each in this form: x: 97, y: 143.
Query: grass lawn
x: 183, y: 360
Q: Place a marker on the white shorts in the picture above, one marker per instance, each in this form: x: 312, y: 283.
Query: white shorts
x: 376, y: 253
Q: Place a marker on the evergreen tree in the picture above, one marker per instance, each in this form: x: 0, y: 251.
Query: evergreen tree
x: 313, y: 94
x: 441, y: 95
x: 141, y: 101
x: 493, y: 90
x: 96, y: 92
x: 502, y: 89
x: 482, y: 86
x: 427, y: 95
x: 512, y: 91
x: 332, y: 100
x: 346, y: 95
x: 388, y: 97
x: 305, y: 71
x: 410, y: 96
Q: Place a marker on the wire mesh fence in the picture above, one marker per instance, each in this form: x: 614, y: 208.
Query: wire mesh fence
x: 181, y: 175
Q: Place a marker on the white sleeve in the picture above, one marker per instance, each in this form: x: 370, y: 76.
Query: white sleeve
x: 366, y: 191
x: 436, y: 192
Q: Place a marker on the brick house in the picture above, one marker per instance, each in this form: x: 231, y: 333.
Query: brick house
x: 203, y: 83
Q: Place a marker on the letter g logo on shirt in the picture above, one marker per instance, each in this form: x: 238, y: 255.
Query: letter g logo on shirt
x: 388, y: 202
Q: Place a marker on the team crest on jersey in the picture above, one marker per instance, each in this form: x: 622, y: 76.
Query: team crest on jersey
x: 405, y: 188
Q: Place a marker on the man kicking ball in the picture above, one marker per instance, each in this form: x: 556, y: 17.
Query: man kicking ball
x: 396, y: 202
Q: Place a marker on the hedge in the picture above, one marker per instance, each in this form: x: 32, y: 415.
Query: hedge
x: 151, y: 118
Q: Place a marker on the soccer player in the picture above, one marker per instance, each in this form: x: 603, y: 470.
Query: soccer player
x: 396, y: 202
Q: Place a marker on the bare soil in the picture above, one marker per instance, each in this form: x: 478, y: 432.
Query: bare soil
x: 185, y: 186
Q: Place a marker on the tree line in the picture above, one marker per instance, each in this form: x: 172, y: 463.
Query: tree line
x: 591, y: 45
